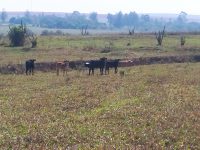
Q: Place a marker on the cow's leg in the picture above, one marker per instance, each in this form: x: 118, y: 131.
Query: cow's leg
x: 102, y: 70
x: 32, y: 71
x: 92, y: 71
x: 64, y: 72
x: 89, y: 70
x: 63, y: 69
x: 116, y: 69
x: 57, y: 70
x: 66, y: 69
x: 26, y: 71
x: 101, y: 73
x: 107, y: 70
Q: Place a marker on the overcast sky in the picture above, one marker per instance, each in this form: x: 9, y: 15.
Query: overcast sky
x: 104, y: 6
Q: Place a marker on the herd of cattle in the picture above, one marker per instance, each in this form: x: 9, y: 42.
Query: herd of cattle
x: 103, y: 64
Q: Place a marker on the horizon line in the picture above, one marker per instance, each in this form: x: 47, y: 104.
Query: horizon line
x: 35, y: 11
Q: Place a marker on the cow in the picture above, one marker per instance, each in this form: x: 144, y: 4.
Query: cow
x: 30, y: 66
x: 62, y: 65
x: 92, y: 64
x: 111, y: 64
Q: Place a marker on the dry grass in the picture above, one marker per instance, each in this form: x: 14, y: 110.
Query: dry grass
x: 152, y: 107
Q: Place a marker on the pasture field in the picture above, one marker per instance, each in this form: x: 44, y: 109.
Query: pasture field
x: 154, y: 106
x: 150, y: 107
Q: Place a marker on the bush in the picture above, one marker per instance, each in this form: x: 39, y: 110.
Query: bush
x: 59, y: 32
x: 33, y: 40
x: 17, y: 35
x: 182, y: 38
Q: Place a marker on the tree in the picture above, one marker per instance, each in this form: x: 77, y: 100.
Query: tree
x: 84, y: 30
x: 145, y: 18
x: 182, y: 17
x: 118, y: 20
x: 93, y: 17
x: 27, y: 17
x: 110, y: 19
x: 133, y: 19
x: 4, y: 15
x: 12, y: 20
x: 76, y: 15
x: 27, y: 14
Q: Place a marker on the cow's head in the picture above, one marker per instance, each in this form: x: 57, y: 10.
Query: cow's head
x: 87, y: 64
x: 32, y: 60
x: 103, y: 59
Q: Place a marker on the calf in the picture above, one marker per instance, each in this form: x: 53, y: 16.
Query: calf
x: 62, y: 65
x: 92, y: 64
x: 30, y: 66
x: 111, y: 64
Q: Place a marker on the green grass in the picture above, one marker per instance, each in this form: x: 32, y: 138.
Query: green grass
x: 152, y: 106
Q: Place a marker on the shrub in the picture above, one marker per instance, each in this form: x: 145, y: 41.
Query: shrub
x: 45, y: 32
x: 33, y: 40
x: 17, y: 35
x: 182, y: 40
x: 59, y: 32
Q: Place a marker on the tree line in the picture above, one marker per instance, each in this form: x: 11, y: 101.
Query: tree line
x: 76, y: 20
x: 145, y: 23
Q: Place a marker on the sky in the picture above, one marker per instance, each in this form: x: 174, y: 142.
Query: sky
x: 104, y: 6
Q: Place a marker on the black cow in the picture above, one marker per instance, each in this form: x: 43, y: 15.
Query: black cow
x: 92, y: 64
x: 30, y: 66
x: 111, y: 64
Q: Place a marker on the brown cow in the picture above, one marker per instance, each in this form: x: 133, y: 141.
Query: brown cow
x: 62, y: 65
